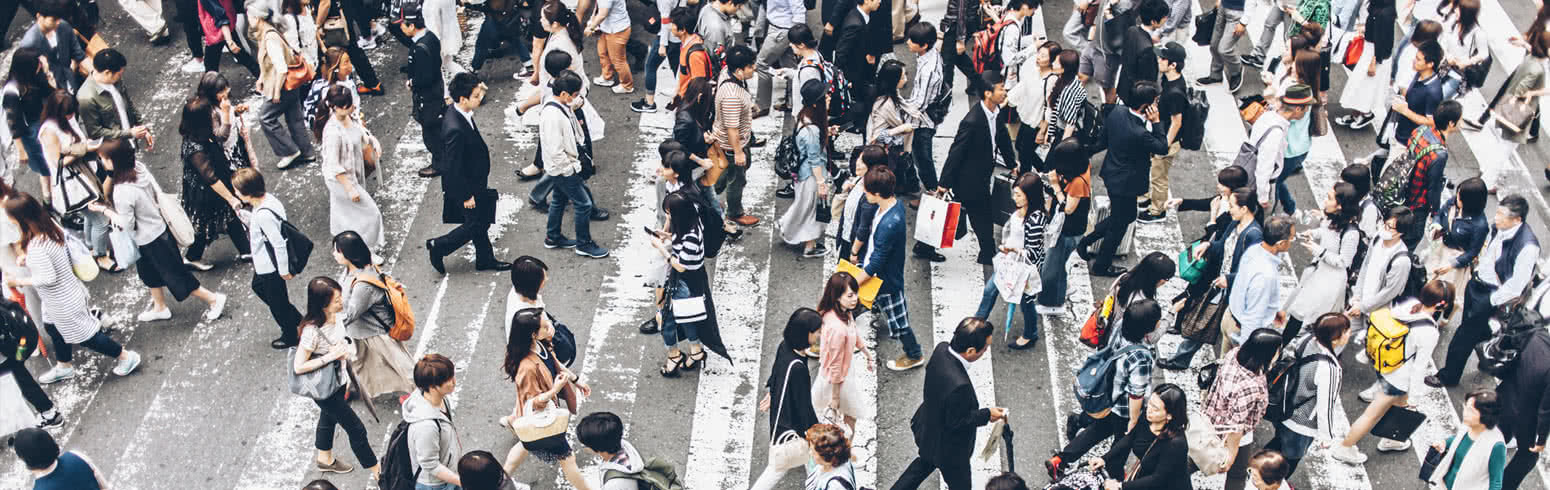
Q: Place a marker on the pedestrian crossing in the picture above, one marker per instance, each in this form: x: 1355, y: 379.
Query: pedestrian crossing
x: 217, y: 387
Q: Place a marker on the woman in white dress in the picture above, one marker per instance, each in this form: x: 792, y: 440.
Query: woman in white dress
x: 347, y: 150
x: 836, y: 387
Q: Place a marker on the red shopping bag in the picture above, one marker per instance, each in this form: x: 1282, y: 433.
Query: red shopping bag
x: 936, y: 222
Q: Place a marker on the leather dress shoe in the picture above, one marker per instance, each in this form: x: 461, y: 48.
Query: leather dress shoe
x: 1109, y: 271
x: 429, y: 171
x: 430, y: 247
x: 599, y: 214
x: 497, y: 266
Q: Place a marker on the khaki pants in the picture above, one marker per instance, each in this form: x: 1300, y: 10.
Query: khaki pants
x: 903, y: 10
x: 1159, y: 184
x: 1229, y: 330
x: 612, y: 60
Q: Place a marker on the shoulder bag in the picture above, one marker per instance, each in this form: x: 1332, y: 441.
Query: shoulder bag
x: 82, y: 263
x: 1201, y: 319
x: 177, y: 219
x: 317, y: 384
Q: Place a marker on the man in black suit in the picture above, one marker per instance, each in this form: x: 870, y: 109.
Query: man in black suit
x: 465, y: 180
x: 981, y: 144
x: 857, y: 58
x: 429, y: 95
x: 950, y: 412
x: 1132, y: 134
x: 1139, y: 58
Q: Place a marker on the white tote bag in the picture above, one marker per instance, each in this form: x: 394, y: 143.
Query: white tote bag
x: 1013, y: 276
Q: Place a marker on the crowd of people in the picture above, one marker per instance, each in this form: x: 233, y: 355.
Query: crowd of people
x: 1418, y: 255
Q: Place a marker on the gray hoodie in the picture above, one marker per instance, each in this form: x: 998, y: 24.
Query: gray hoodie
x: 433, y: 439
x: 628, y: 461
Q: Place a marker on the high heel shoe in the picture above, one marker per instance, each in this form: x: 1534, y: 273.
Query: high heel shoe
x: 694, y: 361
x: 673, y: 365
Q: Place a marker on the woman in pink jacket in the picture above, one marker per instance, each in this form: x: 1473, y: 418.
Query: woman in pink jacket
x: 836, y: 387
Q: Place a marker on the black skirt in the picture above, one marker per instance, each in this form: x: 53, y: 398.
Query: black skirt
x: 161, y: 265
x: 551, y: 450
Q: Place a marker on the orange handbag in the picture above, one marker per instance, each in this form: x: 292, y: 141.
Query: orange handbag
x: 1353, y: 51
x: 1096, y: 331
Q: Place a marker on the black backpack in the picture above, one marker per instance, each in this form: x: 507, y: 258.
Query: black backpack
x: 1498, y: 356
x: 1089, y: 126
x: 1285, y: 375
x: 18, y: 335
x: 298, y: 247
x: 399, y: 469
x: 1193, y: 131
x: 1414, y: 279
x: 715, y: 60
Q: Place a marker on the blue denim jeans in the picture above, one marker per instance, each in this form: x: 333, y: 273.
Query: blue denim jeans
x: 921, y: 150
x: 670, y: 326
x: 1284, y: 193
x: 910, y: 345
x: 1185, y: 353
x: 570, y: 189
x: 1030, y: 315
x: 444, y: 486
x: 490, y: 36
x: 1053, y: 295
x: 541, y: 189
x: 654, y: 61
x: 34, y: 151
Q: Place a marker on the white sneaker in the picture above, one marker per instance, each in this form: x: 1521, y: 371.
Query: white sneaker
x: 1361, y: 353
x: 1347, y: 454
x: 1389, y: 446
x: 57, y: 374
x: 154, y: 315
x: 215, y: 310
x: 619, y: 89
x: 366, y: 43
x: 516, y: 485
x: 1369, y: 394
x: 603, y: 82
x: 195, y: 65
x: 286, y: 162
x: 198, y: 265
x: 378, y: 30
x: 1512, y: 444
x: 128, y: 364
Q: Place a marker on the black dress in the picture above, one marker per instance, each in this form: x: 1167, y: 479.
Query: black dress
x: 1164, y: 460
x: 209, y: 213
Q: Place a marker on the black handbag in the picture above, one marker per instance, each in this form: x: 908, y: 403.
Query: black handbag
x: 1204, y: 25
x: 1201, y: 319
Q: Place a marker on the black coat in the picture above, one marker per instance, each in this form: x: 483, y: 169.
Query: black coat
x: 1139, y: 60
x: 1128, y: 164
x: 1525, y: 392
x: 949, y: 413
x: 791, y: 399
x: 970, y: 161
x: 852, y: 48
x: 467, y: 163
x: 1164, y: 462
x: 425, y: 76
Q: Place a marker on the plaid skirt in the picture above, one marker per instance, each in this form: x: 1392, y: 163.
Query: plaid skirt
x: 894, y: 310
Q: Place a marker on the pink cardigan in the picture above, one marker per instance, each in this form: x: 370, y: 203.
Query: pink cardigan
x: 838, y: 340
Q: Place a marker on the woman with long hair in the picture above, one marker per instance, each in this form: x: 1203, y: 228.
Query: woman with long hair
x: 800, y: 225
x: 1334, y: 253
x: 1027, y: 242
x: 1064, y: 103
x: 132, y: 192
x: 337, y: 71
x: 382, y: 364
x: 230, y: 128
x: 324, y: 345
x: 1366, y: 89
x: 1140, y: 283
x: 565, y: 34
x: 1466, y: 50
x: 67, y: 314
x: 1158, y: 444
x: 347, y: 151
x: 788, y: 399
x: 1525, y: 85
x: 540, y: 380
x: 682, y: 245
x: 1317, y: 379
x: 26, y: 88
x: 207, y: 194
x: 1301, y: 66
x: 892, y: 122
x: 1071, y: 181
x: 840, y: 343
x: 295, y: 23
x: 1238, y: 399
x: 1031, y: 96
x: 1202, y: 289
x: 854, y: 212
x: 220, y: 33
x: 692, y: 119
x: 1461, y: 228
x: 64, y: 143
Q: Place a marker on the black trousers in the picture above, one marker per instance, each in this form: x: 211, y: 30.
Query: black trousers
x: 1523, y: 460
x: 8, y: 14
x: 477, y: 233
x: 1472, y: 329
x: 335, y: 411
x: 981, y: 219
x: 956, y: 474
x: 362, y: 64
x: 100, y: 342
x: 1096, y: 432
x: 1122, y: 212
x: 244, y: 58
x: 234, y: 229
x: 430, y: 131
x: 30, y: 390
x: 188, y: 15
x: 951, y: 59
x: 270, y: 288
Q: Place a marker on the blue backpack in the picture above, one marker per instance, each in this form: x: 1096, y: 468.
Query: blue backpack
x: 1094, y: 385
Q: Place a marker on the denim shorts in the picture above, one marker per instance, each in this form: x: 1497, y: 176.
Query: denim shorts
x: 1389, y: 389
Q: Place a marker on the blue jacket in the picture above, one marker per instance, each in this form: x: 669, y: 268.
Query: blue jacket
x: 1247, y: 238
x: 1466, y: 233
x: 886, y: 259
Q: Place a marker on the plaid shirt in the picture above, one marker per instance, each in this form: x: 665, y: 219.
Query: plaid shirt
x: 1133, y: 375
x: 1419, y: 194
x: 1239, y: 398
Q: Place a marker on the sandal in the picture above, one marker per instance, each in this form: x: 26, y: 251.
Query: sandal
x: 694, y: 361
x: 672, y: 366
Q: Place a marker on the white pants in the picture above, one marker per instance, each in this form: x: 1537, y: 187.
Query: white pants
x: 147, y: 13
x: 789, y: 453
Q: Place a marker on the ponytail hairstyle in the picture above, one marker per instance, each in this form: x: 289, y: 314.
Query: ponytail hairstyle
x: 1070, y: 62
x: 558, y: 13
x: 1247, y: 198
x: 1330, y: 327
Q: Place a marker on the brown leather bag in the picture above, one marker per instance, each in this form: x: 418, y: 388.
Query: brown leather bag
x: 718, y: 164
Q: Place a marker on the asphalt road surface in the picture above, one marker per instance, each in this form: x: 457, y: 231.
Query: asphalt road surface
x: 209, y: 407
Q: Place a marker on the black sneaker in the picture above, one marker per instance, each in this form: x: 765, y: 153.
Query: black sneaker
x: 650, y: 326
x: 1144, y: 203
x: 642, y: 106
x: 1234, y: 84
x: 1362, y: 121
x: 1148, y: 217
x: 55, y: 421
x: 1210, y: 80
x: 1253, y: 60
x: 786, y: 192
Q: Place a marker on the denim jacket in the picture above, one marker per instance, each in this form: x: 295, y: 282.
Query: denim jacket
x: 1467, y: 233
x: 809, y: 150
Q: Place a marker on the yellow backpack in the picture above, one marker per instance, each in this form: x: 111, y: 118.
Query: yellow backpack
x: 1386, y: 341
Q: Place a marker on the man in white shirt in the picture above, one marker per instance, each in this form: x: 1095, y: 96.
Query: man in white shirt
x: 1269, y: 139
x: 1506, y: 267
x: 271, y: 262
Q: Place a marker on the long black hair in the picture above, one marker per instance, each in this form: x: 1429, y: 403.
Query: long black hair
x: 1177, y: 407
x: 887, y: 84
x: 558, y: 13
x: 1350, y: 207
x: 27, y: 71
x: 815, y: 110
x: 683, y: 217
x: 524, y: 326
x: 320, y: 292
x: 699, y: 99
x: 1070, y: 61
x: 1154, y: 267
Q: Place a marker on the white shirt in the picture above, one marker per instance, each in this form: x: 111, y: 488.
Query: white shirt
x: 466, y: 115
x: 961, y: 360
x: 118, y: 103
x: 865, y: 19
x: 990, y: 119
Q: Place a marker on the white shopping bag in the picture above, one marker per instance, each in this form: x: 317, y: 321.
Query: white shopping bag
x: 936, y: 222
x: 1012, y: 273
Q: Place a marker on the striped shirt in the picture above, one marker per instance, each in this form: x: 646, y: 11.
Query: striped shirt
x: 928, y: 84
x: 63, y: 295
x: 689, y: 249
x: 734, y: 109
x: 1067, y: 105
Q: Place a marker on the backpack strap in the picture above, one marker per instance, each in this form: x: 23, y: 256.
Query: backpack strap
x: 781, y: 403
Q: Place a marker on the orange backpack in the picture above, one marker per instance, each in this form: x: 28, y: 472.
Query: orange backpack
x: 403, y: 314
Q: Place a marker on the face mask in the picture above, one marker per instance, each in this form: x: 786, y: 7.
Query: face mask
x: 1386, y: 235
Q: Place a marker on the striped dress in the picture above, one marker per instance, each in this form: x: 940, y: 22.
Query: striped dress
x: 64, y: 297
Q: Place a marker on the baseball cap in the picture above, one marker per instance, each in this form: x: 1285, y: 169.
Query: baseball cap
x: 1171, y: 52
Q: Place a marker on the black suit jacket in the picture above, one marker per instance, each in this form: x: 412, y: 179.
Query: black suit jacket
x: 851, y: 51
x: 949, y: 412
x: 1139, y: 60
x: 425, y: 77
x: 970, y: 161
x: 467, y: 163
x: 1128, y: 164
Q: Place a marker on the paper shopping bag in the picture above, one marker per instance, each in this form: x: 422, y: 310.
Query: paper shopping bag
x: 1011, y: 275
x: 868, y: 292
x: 936, y: 222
